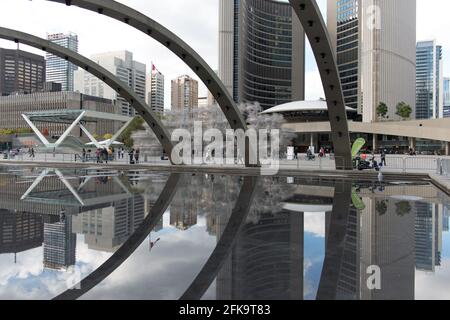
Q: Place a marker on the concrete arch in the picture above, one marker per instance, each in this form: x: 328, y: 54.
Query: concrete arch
x: 175, y: 44
x: 315, y: 28
x: 143, y: 109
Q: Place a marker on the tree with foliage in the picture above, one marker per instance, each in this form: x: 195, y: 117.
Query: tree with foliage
x: 403, y: 208
x: 107, y: 136
x: 382, y: 110
x: 404, y: 110
x: 381, y: 207
x: 136, y: 125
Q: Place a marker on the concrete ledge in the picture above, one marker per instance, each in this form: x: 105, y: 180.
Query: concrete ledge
x: 441, y: 182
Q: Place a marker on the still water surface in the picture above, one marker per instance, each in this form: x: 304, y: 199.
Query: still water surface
x: 201, y: 236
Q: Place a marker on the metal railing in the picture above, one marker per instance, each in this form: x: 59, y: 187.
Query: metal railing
x: 404, y: 164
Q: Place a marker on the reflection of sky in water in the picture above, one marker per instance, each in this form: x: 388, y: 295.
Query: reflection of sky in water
x: 167, y: 270
x: 26, y: 279
x: 314, y: 249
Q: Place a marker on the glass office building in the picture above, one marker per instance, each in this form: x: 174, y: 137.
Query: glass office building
x: 374, y: 41
x: 20, y: 72
x: 446, y: 89
x: 60, y: 70
x: 429, y: 81
x: 261, y: 51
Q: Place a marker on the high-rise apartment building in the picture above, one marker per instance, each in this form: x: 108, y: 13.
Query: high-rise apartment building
x: 375, y: 41
x: 122, y: 65
x: 184, y: 93
x: 429, y: 80
x: 261, y: 51
x: 155, y: 90
x: 21, y: 72
x: 59, y: 70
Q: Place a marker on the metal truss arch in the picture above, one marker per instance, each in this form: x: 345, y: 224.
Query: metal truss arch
x: 111, y: 80
x: 315, y: 28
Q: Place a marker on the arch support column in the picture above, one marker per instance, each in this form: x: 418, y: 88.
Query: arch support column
x: 315, y: 28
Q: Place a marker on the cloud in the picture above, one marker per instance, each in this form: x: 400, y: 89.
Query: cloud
x: 315, y: 224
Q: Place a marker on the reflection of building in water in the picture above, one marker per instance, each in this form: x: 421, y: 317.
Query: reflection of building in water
x: 387, y: 241
x: 445, y: 222
x: 183, y: 209
x: 59, y: 245
x: 267, y: 260
x: 108, y: 228
x: 349, y: 282
x: 20, y: 231
x: 428, y: 231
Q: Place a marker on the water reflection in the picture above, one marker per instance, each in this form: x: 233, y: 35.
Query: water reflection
x: 152, y: 235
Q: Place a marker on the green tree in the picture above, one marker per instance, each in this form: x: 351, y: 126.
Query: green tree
x: 382, y: 110
x: 404, y: 110
x: 136, y: 125
x: 403, y: 208
x: 107, y: 136
x: 381, y: 207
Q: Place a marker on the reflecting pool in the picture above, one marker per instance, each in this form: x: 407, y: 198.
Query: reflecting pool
x: 106, y: 234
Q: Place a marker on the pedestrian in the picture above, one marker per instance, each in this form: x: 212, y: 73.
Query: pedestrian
x: 32, y: 153
x: 84, y: 154
x: 136, y: 155
x: 131, y: 155
x: 383, y: 158
x: 98, y: 155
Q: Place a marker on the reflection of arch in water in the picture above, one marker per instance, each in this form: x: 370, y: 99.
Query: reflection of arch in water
x: 223, y: 248
x: 129, y: 246
x: 120, y: 87
x: 315, y: 28
x: 336, y: 229
x: 164, y: 36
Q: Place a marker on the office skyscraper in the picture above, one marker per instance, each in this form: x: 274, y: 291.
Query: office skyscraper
x: 59, y: 245
x: 261, y: 51
x: 20, y: 71
x: 184, y: 93
x: 375, y: 44
x: 429, y: 80
x: 60, y: 70
x: 446, y: 112
x: 122, y: 65
x: 155, y: 90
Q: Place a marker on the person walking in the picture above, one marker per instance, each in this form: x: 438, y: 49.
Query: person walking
x: 383, y: 158
x: 131, y: 155
x: 136, y: 155
x: 32, y: 155
x: 84, y: 154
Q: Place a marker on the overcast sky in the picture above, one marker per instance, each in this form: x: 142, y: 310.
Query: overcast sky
x: 195, y: 21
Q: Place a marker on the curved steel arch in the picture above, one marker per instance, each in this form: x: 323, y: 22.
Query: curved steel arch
x: 143, y: 109
x: 310, y: 17
x: 315, y: 28
x: 175, y: 44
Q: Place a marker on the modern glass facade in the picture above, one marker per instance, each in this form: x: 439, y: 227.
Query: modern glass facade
x: 429, y: 80
x: 60, y: 70
x: 446, y: 89
x: 375, y: 42
x: 266, y: 43
x: 347, y: 49
x: 21, y: 72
